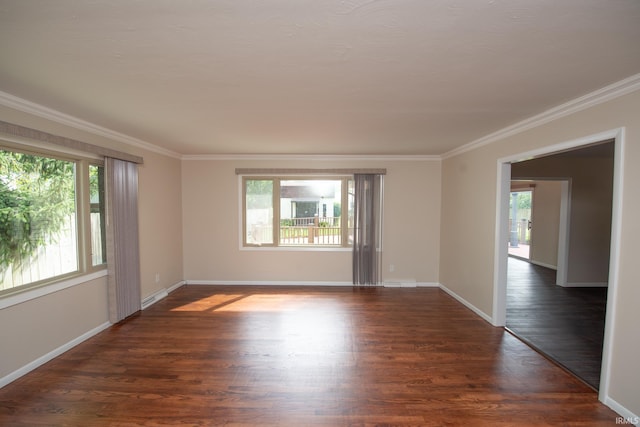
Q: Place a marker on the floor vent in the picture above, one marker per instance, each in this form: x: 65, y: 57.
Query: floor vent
x: 400, y: 284
x: 147, y: 302
x: 153, y: 299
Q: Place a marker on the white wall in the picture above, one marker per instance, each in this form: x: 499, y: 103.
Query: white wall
x: 545, y: 217
x: 42, y: 325
x: 590, y: 219
x: 160, y: 222
x: 212, y: 232
x: 52, y: 321
x: 467, y: 253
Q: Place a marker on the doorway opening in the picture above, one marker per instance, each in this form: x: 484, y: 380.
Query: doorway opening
x: 577, y: 276
x: 520, y: 207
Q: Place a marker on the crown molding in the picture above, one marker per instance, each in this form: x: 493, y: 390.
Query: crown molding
x: 11, y: 101
x: 315, y: 157
x: 607, y: 93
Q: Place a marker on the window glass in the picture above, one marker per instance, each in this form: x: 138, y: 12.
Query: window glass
x: 351, y: 210
x: 307, y: 212
x: 310, y: 212
x: 259, y: 211
x: 38, y: 233
x: 97, y: 213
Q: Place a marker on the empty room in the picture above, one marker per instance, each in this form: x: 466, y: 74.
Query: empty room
x: 297, y: 212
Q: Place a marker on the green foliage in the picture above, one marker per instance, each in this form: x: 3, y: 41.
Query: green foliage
x: 259, y: 193
x: 524, y: 200
x: 287, y: 223
x: 96, y: 175
x: 37, y: 194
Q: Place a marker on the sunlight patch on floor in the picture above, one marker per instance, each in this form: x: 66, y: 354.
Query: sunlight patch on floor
x: 210, y: 303
x: 247, y: 303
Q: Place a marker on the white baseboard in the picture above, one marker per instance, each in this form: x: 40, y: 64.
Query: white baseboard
x: 153, y: 298
x: 409, y: 284
x: 51, y: 355
x: 157, y: 296
x: 543, y: 264
x: 534, y: 262
x: 176, y: 286
x: 400, y: 283
x: 390, y: 284
x: 626, y: 416
x: 467, y: 304
x: 265, y: 283
x: 585, y: 285
x: 429, y: 285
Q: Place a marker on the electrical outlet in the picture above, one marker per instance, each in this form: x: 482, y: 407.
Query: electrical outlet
x: 392, y: 268
x: 157, y: 277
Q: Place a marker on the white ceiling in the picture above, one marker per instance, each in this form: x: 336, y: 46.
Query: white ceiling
x: 313, y: 76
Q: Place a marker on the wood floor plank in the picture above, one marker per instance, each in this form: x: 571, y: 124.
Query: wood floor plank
x: 302, y: 356
x: 566, y: 324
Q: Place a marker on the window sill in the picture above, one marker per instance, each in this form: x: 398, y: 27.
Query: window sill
x: 40, y: 291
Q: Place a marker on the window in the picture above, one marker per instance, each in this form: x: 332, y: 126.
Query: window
x: 45, y: 216
x: 96, y: 203
x: 295, y: 212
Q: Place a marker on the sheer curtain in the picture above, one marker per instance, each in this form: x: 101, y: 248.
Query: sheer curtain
x: 366, y: 258
x: 123, y: 256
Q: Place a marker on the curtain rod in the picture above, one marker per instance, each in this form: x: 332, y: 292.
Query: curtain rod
x: 307, y: 171
x: 36, y: 135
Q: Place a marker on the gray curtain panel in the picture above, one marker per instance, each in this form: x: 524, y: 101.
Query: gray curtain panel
x: 366, y: 262
x: 123, y: 256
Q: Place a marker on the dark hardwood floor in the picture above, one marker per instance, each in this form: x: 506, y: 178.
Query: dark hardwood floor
x: 566, y: 324
x: 302, y: 356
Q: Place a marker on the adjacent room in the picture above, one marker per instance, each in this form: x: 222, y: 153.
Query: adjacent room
x: 559, y: 255
x: 319, y: 212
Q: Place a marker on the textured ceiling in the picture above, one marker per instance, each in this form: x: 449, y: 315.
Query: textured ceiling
x: 312, y: 76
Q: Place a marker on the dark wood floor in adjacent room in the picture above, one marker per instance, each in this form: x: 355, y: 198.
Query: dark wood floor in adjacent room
x: 566, y: 324
x: 299, y: 356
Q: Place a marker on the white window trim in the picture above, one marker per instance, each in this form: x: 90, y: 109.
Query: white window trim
x: 86, y: 272
x: 311, y: 174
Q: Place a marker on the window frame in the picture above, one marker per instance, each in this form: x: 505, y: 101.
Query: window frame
x: 103, y: 212
x: 277, y: 179
x: 85, y: 267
